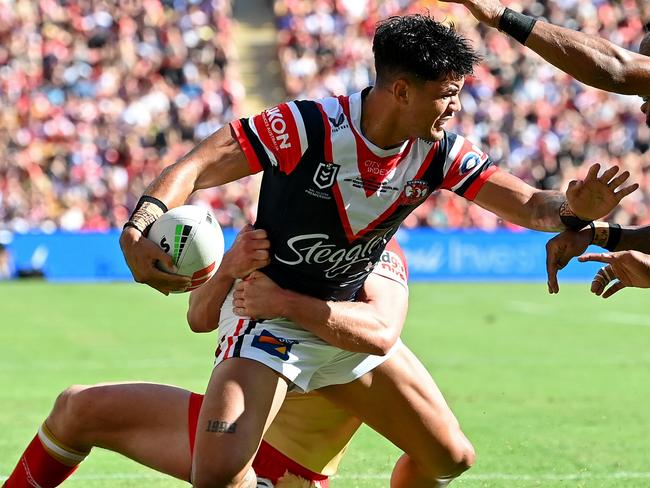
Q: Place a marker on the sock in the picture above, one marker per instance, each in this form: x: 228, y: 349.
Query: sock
x: 46, y: 463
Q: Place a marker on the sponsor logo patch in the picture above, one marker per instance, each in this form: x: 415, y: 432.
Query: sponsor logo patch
x: 469, y: 162
x: 275, y: 346
x: 325, y: 175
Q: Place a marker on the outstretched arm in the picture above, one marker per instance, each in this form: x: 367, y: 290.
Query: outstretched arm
x: 590, y: 59
x: 515, y: 201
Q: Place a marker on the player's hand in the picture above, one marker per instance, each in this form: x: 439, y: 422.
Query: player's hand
x: 249, y: 252
x: 144, y: 258
x: 559, y: 252
x: 623, y: 269
x: 596, y: 196
x: 258, y: 297
x: 487, y: 11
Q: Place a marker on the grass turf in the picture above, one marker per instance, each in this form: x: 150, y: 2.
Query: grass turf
x: 552, y: 390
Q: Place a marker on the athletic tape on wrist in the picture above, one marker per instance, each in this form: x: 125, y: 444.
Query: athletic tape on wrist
x: 600, y: 233
x: 146, y: 212
x: 516, y: 25
x: 570, y: 219
x: 614, y: 238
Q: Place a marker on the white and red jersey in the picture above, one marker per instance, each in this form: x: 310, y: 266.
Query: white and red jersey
x: 330, y: 199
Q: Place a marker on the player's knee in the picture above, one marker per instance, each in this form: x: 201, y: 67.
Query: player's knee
x: 457, y: 456
x: 75, y: 409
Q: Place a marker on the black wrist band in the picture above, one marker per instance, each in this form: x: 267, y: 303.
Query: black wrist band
x: 571, y: 220
x: 614, y: 237
x: 146, y: 198
x: 516, y: 25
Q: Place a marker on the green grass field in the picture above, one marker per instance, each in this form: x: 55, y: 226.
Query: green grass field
x: 552, y: 390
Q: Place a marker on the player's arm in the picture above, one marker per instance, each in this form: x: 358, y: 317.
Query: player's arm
x: 217, y: 160
x: 515, y: 201
x: 249, y: 251
x: 590, y: 59
x: 372, y: 324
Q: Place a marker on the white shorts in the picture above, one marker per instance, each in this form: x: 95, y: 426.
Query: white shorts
x: 307, y: 361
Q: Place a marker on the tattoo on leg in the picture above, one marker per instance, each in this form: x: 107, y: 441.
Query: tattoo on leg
x: 221, y: 426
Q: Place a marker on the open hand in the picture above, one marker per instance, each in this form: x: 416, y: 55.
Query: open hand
x: 560, y: 250
x: 145, y: 260
x: 596, y: 196
x: 623, y: 269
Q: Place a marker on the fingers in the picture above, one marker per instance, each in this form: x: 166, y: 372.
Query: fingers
x: 602, y: 278
x: 619, y: 180
x: 551, y: 271
x: 592, y: 174
x: 608, y: 174
x: 597, y: 257
x: 623, y: 192
x: 616, y: 286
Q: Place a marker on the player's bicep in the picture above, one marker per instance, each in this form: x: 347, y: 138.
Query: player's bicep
x: 218, y: 159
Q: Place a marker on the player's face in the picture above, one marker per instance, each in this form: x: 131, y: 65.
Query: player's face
x: 435, y: 102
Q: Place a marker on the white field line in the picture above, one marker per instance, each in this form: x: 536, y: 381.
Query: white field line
x: 619, y: 475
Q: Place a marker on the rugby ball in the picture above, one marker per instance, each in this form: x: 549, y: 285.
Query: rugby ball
x: 193, y: 238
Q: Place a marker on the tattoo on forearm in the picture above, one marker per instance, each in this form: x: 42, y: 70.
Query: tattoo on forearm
x: 221, y: 427
x: 546, y: 215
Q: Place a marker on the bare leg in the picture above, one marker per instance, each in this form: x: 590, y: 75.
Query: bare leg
x: 241, y: 400
x: 145, y: 422
x: 400, y: 400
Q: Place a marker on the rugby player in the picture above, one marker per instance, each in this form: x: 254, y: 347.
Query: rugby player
x: 155, y: 424
x: 340, y: 175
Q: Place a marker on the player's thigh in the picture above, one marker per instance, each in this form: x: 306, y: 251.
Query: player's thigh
x: 146, y: 422
x: 242, y: 398
x: 400, y: 400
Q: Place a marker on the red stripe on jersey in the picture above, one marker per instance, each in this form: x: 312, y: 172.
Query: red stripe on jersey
x: 477, y: 184
x: 231, y: 339
x: 468, y: 153
x: 253, y: 162
x: 388, y: 212
x: 327, y: 149
x: 278, y: 131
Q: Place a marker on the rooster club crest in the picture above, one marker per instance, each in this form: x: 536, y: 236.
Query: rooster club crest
x: 325, y: 175
x: 414, y: 192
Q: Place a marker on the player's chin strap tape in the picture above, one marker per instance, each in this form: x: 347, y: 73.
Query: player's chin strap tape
x: 146, y: 212
x: 605, y: 235
x: 571, y: 220
x: 516, y: 25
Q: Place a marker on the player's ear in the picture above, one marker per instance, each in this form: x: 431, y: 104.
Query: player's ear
x: 400, y: 89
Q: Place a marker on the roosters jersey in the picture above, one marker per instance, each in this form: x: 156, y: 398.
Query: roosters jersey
x: 330, y: 199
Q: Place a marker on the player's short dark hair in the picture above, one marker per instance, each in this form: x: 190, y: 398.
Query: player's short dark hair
x: 419, y: 46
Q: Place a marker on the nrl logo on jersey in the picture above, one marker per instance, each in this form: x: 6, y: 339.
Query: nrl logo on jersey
x: 415, y: 192
x: 338, y: 123
x: 325, y: 175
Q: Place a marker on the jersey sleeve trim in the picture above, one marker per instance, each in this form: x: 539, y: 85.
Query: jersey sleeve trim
x: 392, y: 264
x: 246, y: 143
x: 474, y: 186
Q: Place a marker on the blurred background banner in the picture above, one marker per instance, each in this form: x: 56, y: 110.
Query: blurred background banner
x: 454, y: 255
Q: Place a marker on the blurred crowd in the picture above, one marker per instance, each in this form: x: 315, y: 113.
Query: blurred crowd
x: 532, y: 119
x: 98, y: 96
